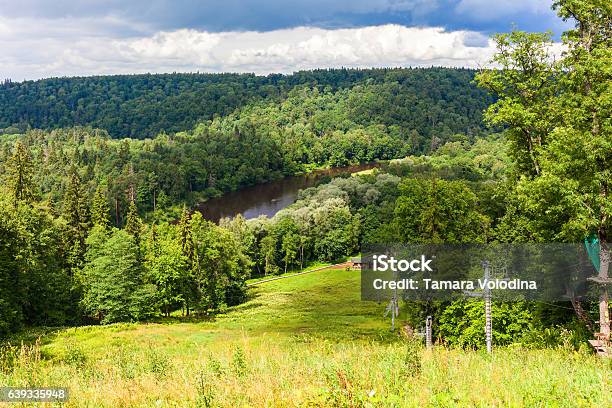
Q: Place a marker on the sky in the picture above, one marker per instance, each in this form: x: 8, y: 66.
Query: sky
x: 42, y: 38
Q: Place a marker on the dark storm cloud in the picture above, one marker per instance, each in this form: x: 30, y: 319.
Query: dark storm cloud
x: 264, y: 15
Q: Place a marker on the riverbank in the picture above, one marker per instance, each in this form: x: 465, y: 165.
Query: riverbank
x: 271, y: 197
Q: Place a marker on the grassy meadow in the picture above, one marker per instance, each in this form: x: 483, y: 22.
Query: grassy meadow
x: 303, y: 341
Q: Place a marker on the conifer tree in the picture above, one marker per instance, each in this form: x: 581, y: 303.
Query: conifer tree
x: 133, y: 223
x: 185, y: 234
x: 20, y: 174
x: 76, y: 212
x: 99, y: 208
x: 192, y: 289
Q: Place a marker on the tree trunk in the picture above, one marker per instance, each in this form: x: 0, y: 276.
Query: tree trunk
x: 116, y: 212
x: 580, y: 312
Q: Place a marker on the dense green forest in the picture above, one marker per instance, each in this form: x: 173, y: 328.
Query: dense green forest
x: 80, y: 267
x: 261, y: 141
x: 91, y: 232
x: 435, y: 100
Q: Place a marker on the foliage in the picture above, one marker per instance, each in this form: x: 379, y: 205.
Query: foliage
x: 391, y: 114
x: 168, y: 268
x: 461, y: 323
x: 433, y: 100
x: 558, y: 116
x: 221, y: 263
x: 438, y: 211
x: 114, y: 288
x: 35, y: 283
x: 20, y: 173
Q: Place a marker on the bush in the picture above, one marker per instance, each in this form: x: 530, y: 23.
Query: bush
x: 462, y: 323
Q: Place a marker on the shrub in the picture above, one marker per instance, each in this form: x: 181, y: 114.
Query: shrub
x: 462, y: 323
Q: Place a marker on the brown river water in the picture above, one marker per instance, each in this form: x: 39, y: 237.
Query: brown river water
x: 269, y: 198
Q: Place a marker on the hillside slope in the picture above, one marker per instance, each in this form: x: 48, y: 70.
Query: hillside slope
x: 307, y: 340
x: 140, y: 106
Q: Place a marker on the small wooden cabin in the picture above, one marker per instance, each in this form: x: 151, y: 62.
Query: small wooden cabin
x: 356, y: 263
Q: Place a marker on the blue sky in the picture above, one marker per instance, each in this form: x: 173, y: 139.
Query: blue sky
x: 49, y: 38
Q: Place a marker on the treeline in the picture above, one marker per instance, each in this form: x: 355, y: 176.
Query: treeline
x: 73, y: 268
x: 428, y: 100
x: 61, y: 265
x: 156, y: 173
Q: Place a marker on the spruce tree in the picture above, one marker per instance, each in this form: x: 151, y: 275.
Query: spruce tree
x: 99, y: 208
x: 133, y: 224
x: 185, y: 234
x: 76, y: 212
x: 20, y: 172
x: 191, y: 287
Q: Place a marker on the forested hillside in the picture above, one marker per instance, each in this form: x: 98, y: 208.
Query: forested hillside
x: 80, y: 267
x: 390, y: 115
x: 139, y: 106
x: 98, y: 229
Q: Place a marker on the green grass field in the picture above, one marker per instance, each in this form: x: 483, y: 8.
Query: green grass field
x: 302, y: 341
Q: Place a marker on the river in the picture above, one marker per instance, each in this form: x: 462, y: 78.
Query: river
x: 269, y: 198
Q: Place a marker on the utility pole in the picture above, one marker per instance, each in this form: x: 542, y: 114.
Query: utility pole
x: 487, y: 299
x: 486, y: 295
x: 428, y: 342
x: 393, y: 308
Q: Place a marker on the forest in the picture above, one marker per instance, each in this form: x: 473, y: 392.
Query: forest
x: 115, y: 286
x: 261, y: 141
x: 432, y: 100
x: 95, y: 215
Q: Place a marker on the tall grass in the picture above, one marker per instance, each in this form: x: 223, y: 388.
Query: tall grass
x: 315, y: 373
x: 306, y: 342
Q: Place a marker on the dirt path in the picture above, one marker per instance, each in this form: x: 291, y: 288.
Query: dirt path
x: 335, y: 266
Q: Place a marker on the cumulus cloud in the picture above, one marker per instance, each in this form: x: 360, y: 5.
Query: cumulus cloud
x: 39, y: 38
x: 185, y: 46
x: 260, y: 52
x: 387, y: 45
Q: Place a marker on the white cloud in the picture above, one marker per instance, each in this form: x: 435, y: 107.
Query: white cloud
x: 387, y: 45
x: 181, y: 45
x: 262, y: 52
